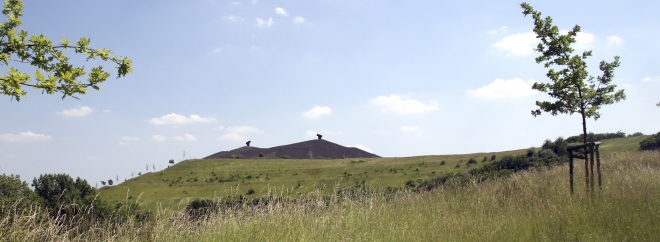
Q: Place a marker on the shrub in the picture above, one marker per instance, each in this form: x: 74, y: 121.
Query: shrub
x: 636, y: 134
x: 458, y: 165
x: 235, y: 156
x: 472, y: 161
x: 319, y: 157
x: 261, y: 155
x: 531, y: 151
x: 442, y: 162
x: 650, y: 143
x: 201, y: 208
x: 285, y: 157
x: 171, y: 161
x: 492, y: 158
x: 110, y: 182
x: 485, y: 159
x: 251, y: 191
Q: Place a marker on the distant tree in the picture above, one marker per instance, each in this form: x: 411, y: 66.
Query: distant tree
x: 62, y: 194
x: 132, y: 174
x: 147, y: 165
x: 657, y: 105
x: 139, y: 173
x: 493, y: 157
x: 574, y: 89
x: 472, y: 161
x: 16, y: 194
x: 53, y: 72
x: 171, y: 161
x: 153, y: 166
x: 103, y: 183
x: 110, y: 182
x: 650, y: 143
x: 485, y: 159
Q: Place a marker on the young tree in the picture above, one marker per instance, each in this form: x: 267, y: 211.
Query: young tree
x: 110, y: 182
x: 103, y: 183
x: 171, y: 161
x: 573, y: 88
x: 53, y: 73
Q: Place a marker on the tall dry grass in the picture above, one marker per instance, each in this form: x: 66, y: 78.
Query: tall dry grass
x: 528, y: 206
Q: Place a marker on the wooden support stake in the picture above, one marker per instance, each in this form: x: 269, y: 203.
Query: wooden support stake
x: 592, y: 166
x: 600, y: 182
x: 586, y: 171
x: 570, y: 169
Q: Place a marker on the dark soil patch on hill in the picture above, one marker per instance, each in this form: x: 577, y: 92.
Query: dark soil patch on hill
x: 312, y: 149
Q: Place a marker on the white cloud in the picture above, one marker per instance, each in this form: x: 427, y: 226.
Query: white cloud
x: 362, y: 147
x: 107, y: 110
x: 518, y: 44
x: 311, y: 133
x: 410, y: 129
x: 217, y: 50
x: 92, y: 158
x: 220, y: 128
x: 498, y: 31
x: 524, y: 44
x: 317, y: 112
x: 582, y: 40
x: 130, y: 138
x: 513, y: 88
x: 232, y: 18
x: 186, y: 137
x: 614, y: 40
x: 174, y: 118
x: 24, y: 137
x: 299, y: 20
x: 123, y: 143
x: 242, y: 129
x: 77, y: 112
x: 10, y: 156
x: 651, y: 79
x: 159, y: 138
x: 280, y: 11
x: 266, y: 23
x: 402, y: 105
x: 232, y: 137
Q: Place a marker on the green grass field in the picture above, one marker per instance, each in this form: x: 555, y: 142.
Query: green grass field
x: 176, y: 185
x: 533, y: 205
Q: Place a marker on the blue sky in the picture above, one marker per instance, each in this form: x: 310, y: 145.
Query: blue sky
x: 398, y: 78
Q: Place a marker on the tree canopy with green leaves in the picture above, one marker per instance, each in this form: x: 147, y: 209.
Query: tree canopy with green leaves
x: 573, y: 88
x: 53, y: 72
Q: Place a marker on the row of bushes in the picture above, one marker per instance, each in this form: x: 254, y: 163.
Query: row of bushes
x: 61, y: 198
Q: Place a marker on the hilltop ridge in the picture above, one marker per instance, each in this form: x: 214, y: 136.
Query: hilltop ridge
x: 311, y: 149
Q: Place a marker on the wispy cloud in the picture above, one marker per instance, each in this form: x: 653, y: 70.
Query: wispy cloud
x: 159, y: 138
x: 186, y: 137
x: 651, y: 79
x: 500, y: 88
x: 76, y: 112
x: 317, y: 112
x: 398, y: 104
x: 614, y: 40
x: 410, y: 129
x: 281, y: 11
x: 232, y: 137
x: 130, y: 138
x: 265, y: 23
x: 124, y: 143
x: 299, y: 20
x: 232, y: 18
x: 24, y: 137
x: 362, y: 147
x: 174, y: 118
x: 498, y: 31
x: 9, y: 156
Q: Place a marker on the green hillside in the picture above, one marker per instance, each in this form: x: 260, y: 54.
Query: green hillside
x: 174, y: 186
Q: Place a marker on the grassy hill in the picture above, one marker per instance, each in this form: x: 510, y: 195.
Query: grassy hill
x: 208, y: 178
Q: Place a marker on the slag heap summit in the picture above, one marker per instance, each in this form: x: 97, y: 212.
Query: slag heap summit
x: 311, y: 149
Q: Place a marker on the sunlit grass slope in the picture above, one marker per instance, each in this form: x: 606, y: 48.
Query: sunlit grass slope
x: 235, y: 177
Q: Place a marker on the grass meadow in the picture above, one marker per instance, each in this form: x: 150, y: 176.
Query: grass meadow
x: 533, y: 205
